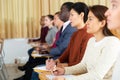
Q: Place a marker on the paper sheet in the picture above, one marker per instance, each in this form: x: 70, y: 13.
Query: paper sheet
x: 41, y: 55
x: 50, y: 77
x: 41, y: 68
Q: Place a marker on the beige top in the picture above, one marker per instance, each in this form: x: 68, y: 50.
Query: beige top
x: 98, y: 60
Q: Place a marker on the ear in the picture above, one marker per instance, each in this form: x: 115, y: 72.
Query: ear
x: 103, y: 22
x: 82, y: 15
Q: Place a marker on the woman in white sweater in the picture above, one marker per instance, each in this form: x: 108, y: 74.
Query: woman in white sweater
x: 101, y: 51
x: 113, y: 17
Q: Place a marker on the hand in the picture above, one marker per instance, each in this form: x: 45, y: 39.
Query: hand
x: 45, y: 46
x: 59, y: 71
x: 62, y: 64
x: 37, y: 48
x: 58, y: 78
x: 50, y: 63
x: 30, y: 40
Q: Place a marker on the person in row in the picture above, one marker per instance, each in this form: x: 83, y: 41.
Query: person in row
x: 58, y: 23
x: 49, y: 39
x: 44, y: 31
x: 65, y: 33
x: 101, y: 51
x: 76, y: 48
x: 113, y: 20
x: 32, y: 62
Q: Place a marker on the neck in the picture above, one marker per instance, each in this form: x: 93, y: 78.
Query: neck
x: 50, y: 26
x: 60, y: 25
x: 98, y: 36
x: 81, y: 25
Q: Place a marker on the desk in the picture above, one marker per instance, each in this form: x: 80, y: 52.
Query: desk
x: 42, y: 71
x: 42, y: 74
x: 37, y: 55
x: 47, y: 75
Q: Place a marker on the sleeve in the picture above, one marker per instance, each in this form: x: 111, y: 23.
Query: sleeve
x: 83, y: 46
x: 79, y: 68
x: 65, y: 55
x: 34, y: 40
x: 116, y: 70
x: 43, y: 34
x: 53, y: 34
x: 104, y: 63
x: 47, y: 38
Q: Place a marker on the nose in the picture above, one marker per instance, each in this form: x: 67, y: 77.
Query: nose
x: 70, y: 18
x: 107, y: 13
x: 87, y: 21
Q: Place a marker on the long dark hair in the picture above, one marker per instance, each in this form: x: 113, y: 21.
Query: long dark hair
x: 99, y: 11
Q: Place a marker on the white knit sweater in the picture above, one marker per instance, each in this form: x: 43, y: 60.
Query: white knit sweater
x: 116, y: 70
x: 98, y: 60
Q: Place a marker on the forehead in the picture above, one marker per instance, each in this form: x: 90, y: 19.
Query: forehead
x: 91, y: 14
x: 72, y: 11
x: 55, y: 16
x: 46, y: 18
x: 115, y: 1
x: 63, y: 8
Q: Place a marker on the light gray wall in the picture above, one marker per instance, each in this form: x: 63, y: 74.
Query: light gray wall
x: 15, y: 48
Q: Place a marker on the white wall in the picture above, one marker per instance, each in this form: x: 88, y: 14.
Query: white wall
x: 15, y: 48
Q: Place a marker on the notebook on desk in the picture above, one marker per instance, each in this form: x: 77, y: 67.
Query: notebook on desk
x: 50, y: 77
x: 40, y: 69
x: 41, y: 55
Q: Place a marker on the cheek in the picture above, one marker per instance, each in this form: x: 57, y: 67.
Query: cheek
x: 47, y: 23
x: 75, y: 23
x: 72, y: 21
x: 92, y: 28
x: 115, y: 21
x: 89, y: 29
x: 114, y: 25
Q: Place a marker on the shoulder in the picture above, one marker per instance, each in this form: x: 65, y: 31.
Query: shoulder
x: 92, y: 39
x: 53, y: 29
x: 108, y: 39
x: 45, y: 28
x: 111, y: 39
x: 71, y: 28
x: 111, y: 42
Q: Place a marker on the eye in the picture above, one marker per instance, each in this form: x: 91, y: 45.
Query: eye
x: 89, y: 18
x: 114, y: 6
x: 71, y: 14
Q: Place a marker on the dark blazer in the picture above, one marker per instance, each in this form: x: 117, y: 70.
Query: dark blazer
x: 62, y: 42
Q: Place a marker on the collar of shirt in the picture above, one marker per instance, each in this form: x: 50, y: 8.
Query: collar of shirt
x: 65, y: 25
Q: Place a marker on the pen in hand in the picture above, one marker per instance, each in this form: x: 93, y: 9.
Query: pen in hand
x: 54, y: 68
x: 50, y: 63
x: 58, y: 70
